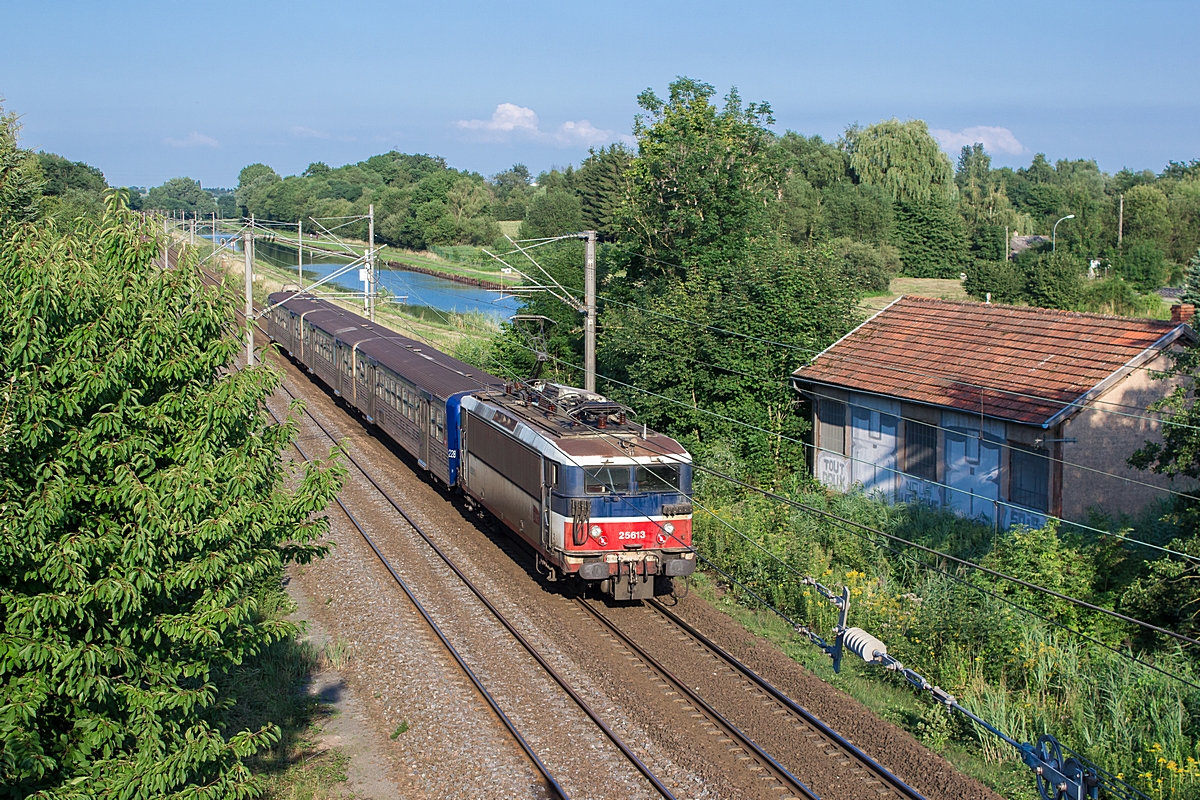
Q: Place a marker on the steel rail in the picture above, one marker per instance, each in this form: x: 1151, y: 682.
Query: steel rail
x: 779, y: 773
x: 625, y: 750
x: 500, y: 617
x: 880, y: 772
x: 549, y: 780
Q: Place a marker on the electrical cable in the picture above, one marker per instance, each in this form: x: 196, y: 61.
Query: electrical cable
x: 816, y: 639
x: 1098, y: 403
x: 802, y: 443
x: 962, y: 562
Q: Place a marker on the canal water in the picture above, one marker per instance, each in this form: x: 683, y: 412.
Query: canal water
x: 420, y: 289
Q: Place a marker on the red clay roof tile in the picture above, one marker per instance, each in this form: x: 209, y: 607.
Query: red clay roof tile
x: 1017, y: 363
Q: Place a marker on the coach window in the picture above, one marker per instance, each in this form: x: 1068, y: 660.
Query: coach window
x: 437, y: 424
x: 600, y: 480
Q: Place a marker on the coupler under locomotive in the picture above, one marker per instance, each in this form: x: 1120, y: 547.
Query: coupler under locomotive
x: 636, y: 579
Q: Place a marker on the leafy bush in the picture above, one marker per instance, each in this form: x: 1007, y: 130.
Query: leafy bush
x: 142, y: 508
x: 1113, y: 295
x: 869, y: 268
x: 1020, y: 673
x: 1003, y: 280
x: 1143, y: 265
x: 1052, y: 280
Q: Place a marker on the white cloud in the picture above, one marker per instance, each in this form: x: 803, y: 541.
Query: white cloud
x: 582, y: 132
x: 193, y: 140
x: 510, y: 120
x: 506, y: 118
x: 301, y: 132
x: 994, y: 139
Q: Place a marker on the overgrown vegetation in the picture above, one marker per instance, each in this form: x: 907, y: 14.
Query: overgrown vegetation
x: 710, y: 298
x: 143, y: 515
x: 1024, y: 675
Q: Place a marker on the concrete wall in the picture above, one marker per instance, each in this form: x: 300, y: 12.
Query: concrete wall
x: 1104, y: 442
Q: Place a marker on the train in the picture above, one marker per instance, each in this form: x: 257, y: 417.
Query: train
x: 601, y: 500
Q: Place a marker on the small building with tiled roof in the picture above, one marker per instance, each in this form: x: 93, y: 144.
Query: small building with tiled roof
x: 1004, y: 413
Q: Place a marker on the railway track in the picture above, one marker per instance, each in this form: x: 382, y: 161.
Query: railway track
x: 500, y: 617
x: 776, y: 778
x: 881, y: 781
x: 551, y: 783
x: 548, y: 780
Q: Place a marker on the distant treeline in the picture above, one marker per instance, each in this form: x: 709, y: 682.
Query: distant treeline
x: 884, y: 198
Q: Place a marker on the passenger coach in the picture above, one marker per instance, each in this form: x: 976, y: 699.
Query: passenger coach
x: 599, y: 498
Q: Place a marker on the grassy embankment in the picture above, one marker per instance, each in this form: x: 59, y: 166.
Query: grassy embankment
x: 1024, y: 675
x: 272, y: 689
x: 451, y: 261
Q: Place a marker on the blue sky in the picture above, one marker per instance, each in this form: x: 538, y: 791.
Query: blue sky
x: 150, y: 91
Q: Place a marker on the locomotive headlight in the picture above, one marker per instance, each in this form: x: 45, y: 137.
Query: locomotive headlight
x: 595, y: 531
x: 669, y: 528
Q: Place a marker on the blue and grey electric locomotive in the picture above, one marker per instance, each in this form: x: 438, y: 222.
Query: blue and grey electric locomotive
x: 598, y: 498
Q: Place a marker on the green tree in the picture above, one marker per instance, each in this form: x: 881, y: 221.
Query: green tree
x: 251, y: 179
x: 466, y: 199
x: 63, y: 175
x: 553, y: 213
x: 181, y: 194
x: 143, y: 499
x: 820, y: 163
x: 600, y: 181
x: 903, y: 159
x: 698, y: 184
x: 703, y: 245
x: 1183, y: 202
x: 1191, y: 286
x: 1143, y: 265
x: 21, y: 178
x: 1053, y: 280
x: 858, y: 211
x: 931, y: 239
x: 227, y: 206
x: 1146, y: 216
x: 512, y: 191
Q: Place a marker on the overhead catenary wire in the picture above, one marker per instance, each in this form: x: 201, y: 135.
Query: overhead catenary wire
x: 844, y: 523
x: 1099, y: 403
x: 997, y: 501
x: 793, y: 440
x: 953, y: 577
x: 962, y: 562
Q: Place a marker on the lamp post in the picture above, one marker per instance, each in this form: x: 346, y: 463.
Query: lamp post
x: 1054, y: 232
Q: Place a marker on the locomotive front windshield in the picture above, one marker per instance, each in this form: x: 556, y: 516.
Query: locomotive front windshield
x: 658, y: 479
x: 601, y: 480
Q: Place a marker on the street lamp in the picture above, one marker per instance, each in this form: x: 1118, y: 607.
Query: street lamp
x: 1054, y: 231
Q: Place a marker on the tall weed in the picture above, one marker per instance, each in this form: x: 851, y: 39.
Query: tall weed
x: 1023, y: 673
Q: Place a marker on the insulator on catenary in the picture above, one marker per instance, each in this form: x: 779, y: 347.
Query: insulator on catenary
x: 863, y: 644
